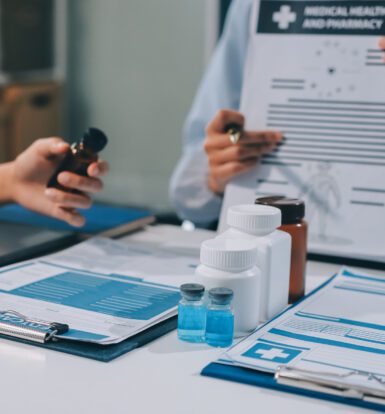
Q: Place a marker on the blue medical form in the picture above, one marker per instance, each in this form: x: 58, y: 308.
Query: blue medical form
x: 99, y: 310
x: 330, y: 345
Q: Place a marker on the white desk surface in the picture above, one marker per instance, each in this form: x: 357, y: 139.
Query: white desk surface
x: 162, y: 377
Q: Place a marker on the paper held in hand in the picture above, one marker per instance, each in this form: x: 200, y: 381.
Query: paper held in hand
x: 318, y: 77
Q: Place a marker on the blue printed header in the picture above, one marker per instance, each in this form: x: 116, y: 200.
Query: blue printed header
x: 357, y: 17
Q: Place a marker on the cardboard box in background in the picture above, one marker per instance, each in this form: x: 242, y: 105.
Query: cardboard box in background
x: 28, y: 112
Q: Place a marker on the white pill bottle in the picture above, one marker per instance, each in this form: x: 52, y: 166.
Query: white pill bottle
x: 259, y: 223
x: 232, y: 264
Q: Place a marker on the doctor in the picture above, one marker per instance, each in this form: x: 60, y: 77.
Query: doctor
x: 24, y: 181
x: 210, y: 159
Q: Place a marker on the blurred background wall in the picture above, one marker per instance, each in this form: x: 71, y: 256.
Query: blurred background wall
x: 133, y: 69
x: 129, y: 67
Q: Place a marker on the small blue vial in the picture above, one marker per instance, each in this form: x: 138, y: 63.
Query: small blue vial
x: 220, y: 318
x: 191, y: 313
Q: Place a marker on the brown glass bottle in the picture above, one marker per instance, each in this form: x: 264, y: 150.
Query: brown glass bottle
x: 293, y: 213
x: 81, y: 154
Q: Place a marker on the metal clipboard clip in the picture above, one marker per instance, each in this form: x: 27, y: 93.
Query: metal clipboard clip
x: 332, y: 383
x: 16, y: 325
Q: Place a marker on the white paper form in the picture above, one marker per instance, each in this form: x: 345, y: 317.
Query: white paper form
x: 338, y: 329
x: 314, y: 71
x: 107, y: 256
x: 89, y: 287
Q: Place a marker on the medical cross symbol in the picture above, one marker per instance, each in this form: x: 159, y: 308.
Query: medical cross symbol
x: 272, y: 353
x: 284, y: 17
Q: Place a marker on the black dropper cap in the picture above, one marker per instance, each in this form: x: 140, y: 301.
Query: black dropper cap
x: 292, y: 209
x: 94, y: 139
x: 221, y: 295
x: 192, y: 291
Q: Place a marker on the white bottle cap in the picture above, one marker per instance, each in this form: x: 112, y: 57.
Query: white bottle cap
x: 254, y: 218
x: 229, y: 254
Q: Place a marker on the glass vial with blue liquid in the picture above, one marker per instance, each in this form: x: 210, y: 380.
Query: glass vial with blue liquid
x: 192, y: 313
x: 220, y: 318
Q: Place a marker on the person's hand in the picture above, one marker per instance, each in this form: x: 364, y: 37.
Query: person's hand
x: 31, y: 171
x: 381, y: 45
x: 226, y: 159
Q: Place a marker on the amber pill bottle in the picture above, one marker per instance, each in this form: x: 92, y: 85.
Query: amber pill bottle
x: 293, y: 213
x: 81, y: 154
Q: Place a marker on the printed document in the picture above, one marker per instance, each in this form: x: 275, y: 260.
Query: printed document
x: 338, y: 329
x: 105, y: 290
x: 314, y: 71
x: 154, y: 263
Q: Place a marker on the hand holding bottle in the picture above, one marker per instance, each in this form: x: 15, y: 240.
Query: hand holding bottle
x: 24, y: 182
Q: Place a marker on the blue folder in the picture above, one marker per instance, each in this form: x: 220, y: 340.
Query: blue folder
x: 105, y: 353
x: 99, y: 218
x: 265, y: 380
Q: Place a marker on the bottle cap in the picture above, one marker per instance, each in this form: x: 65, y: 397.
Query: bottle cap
x: 254, y: 219
x: 233, y: 255
x: 221, y: 296
x: 94, y: 139
x: 292, y: 209
x: 192, y: 291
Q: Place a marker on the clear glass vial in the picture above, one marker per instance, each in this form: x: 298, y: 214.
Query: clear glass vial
x: 192, y: 313
x: 220, y: 318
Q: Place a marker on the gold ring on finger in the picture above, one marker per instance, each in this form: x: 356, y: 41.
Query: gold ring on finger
x: 234, y: 136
